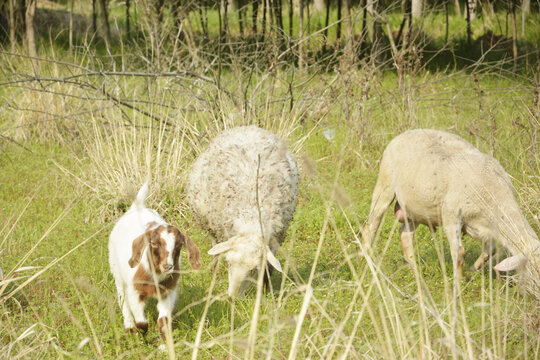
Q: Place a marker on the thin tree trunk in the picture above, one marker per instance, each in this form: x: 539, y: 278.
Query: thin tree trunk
x: 300, y: 36
x: 525, y: 10
x: 404, y: 34
x: 279, y: 17
x: 364, y: 23
x: 12, y: 25
x: 471, y: 8
x: 447, y: 21
x: 71, y: 25
x: 94, y: 17
x: 338, y: 35
x: 219, y: 45
x: 128, y: 35
x: 326, y: 22
x: 319, y: 5
x: 349, y: 45
x: 241, y: 17
x: 514, y: 33
x: 30, y: 33
x: 378, y: 46
x: 265, y: 9
x: 254, y: 13
x: 202, y: 18
x: 468, y: 13
x: 308, y: 18
x: 225, y: 29
x: 417, y: 9
x: 105, y: 14
x: 458, y: 11
x: 291, y: 14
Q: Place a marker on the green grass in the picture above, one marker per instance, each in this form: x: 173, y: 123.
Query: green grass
x: 59, y: 298
x: 71, y: 159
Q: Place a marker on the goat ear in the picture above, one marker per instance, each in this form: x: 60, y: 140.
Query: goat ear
x: 194, y: 254
x: 273, y: 260
x: 221, y: 248
x: 137, y: 249
x: 511, y: 263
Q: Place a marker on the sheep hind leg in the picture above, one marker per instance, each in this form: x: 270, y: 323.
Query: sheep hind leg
x: 382, y: 198
x: 406, y: 237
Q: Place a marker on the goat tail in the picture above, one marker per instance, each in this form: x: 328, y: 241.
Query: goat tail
x: 141, y: 196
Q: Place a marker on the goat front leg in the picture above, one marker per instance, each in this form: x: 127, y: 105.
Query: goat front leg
x: 165, y: 307
x: 136, y: 304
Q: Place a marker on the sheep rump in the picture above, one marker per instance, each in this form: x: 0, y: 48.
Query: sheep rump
x: 221, y: 185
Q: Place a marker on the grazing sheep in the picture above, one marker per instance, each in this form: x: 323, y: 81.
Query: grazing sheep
x: 144, y: 251
x: 221, y: 192
x: 438, y: 178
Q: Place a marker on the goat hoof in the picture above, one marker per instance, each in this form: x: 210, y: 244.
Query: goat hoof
x: 142, y: 327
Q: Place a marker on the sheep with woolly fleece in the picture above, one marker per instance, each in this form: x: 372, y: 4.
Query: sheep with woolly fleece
x: 144, y: 256
x: 439, y: 179
x: 221, y: 191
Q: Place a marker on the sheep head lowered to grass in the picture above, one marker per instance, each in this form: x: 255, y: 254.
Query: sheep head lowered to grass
x: 223, y: 196
x: 439, y: 179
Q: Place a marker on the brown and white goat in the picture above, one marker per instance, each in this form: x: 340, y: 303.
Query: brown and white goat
x: 144, y: 255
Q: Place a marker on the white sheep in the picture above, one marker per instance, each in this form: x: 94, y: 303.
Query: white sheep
x: 438, y: 178
x: 221, y: 192
x: 144, y: 251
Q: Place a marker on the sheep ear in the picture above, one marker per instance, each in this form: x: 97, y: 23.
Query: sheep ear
x: 273, y: 260
x: 511, y: 263
x: 194, y: 254
x: 221, y: 248
x: 137, y: 249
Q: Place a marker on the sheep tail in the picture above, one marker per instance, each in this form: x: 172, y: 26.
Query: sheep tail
x: 141, y: 197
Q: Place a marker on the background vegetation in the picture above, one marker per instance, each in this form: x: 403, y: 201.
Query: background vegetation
x: 90, y: 107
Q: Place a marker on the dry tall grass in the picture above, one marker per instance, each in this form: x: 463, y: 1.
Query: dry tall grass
x: 333, y: 301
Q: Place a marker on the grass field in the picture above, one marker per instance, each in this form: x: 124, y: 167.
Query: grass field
x: 76, y: 145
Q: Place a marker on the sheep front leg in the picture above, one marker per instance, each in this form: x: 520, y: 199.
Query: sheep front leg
x: 457, y: 251
x: 488, y: 248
